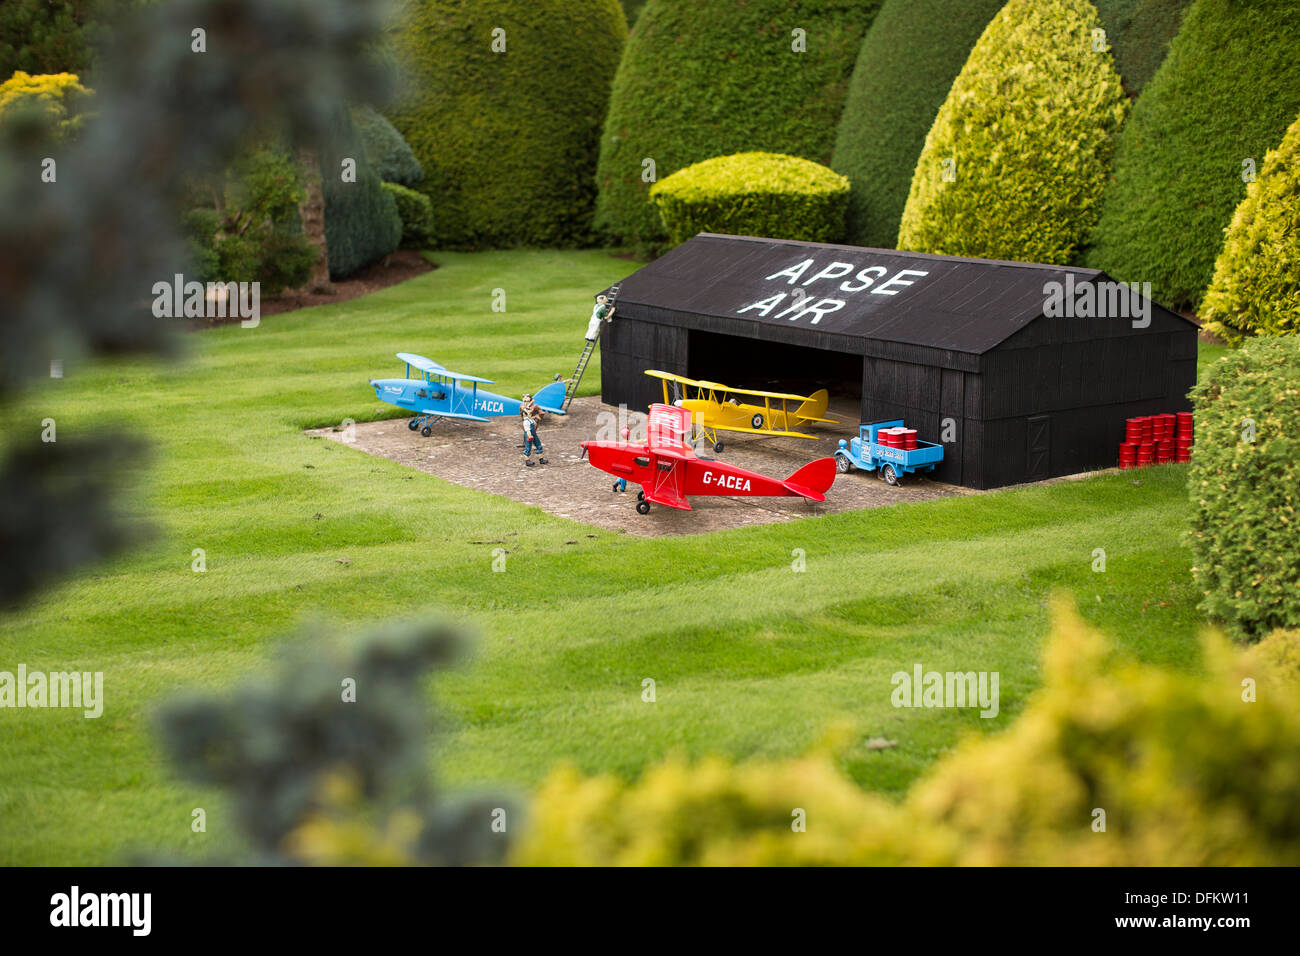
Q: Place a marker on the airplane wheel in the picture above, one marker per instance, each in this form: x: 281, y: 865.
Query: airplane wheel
x: 426, y: 431
x: 756, y: 422
x: 640, y: 496
x: 890, y: 476
x: 717, y: 447
x: 412, y: 424
x: 842, y: 464
x: 643, y: 507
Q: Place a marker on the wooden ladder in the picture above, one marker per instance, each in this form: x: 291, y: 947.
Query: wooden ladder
x: 588, y: 347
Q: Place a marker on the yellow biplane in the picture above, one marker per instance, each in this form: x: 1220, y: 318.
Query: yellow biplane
x: 716, y: 408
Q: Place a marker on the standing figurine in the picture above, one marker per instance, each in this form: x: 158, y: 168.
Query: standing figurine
x: 530, y: 415
x: 621, y: 483
x: 603, y: 312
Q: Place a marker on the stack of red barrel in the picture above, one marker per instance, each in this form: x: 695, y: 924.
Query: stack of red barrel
x: 897, y: 437
x: 1156, y: 440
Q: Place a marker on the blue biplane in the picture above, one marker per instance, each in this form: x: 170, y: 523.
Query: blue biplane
x: 442, y: 393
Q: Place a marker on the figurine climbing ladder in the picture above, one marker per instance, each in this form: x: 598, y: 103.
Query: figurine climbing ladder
x: 589, y: 346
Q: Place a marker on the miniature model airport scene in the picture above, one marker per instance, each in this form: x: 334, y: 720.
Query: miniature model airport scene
x: 594, y: 433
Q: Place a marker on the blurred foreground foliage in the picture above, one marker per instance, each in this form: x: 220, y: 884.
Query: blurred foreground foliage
x: 83, y: 241
x: 326, y: 759
x: 1187, y: 771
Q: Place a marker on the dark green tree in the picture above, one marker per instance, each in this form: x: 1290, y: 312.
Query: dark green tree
x: 705, y: 78
x: 502, y: 104
x: 907, y: 64
x: 1139, y: 33
x: 1223, y: 97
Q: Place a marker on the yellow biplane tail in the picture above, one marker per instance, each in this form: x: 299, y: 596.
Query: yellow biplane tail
x: 814, y: 408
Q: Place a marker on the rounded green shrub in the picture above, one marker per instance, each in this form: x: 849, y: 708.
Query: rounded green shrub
x: 508, y: 139
x: 1139, y: 33
x: 416, y: 212
x: 361, y: 220
x: 705, y: 78
x: 753, y: 194
x: 1016, y: 161
x: 1256, y: 284
x: 389, y: 154
x: 907, y: 64
x: 1225, y: 94
x: 1245, y: 487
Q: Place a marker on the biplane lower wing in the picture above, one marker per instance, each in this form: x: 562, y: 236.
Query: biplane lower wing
x: 440, y: 413
x: 668, y: 469
x: 758, y: 431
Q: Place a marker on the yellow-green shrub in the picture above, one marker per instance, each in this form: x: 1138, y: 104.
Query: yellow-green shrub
x: 1244, y: 483
x: 754, y: 194
x: 1256, y: 284
x: 56, y: 99
x: 1187, y: 770
x: 1027, y: 131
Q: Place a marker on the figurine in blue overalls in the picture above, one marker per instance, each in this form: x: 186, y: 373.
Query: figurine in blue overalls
x: 621, y: 484
x: 529, y: 414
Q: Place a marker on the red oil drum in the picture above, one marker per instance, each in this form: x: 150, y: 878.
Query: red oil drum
x: 1146, y: 454
x: 909, y: 438
x: 1164, y: 452
x: 1128, y: 454
x: 1148, y: 428
x: 1133, y: 430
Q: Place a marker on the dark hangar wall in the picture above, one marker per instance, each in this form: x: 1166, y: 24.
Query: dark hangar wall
x: 1031, y: 396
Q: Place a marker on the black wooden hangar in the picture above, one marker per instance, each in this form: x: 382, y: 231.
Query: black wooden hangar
x: 1024, y: 371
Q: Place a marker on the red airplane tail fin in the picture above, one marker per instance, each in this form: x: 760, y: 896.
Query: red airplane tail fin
x: 813, y: 480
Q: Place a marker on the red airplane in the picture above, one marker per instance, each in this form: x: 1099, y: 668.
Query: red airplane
x: 668, y: 470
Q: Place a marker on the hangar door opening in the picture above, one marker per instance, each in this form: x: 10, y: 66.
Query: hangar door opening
x: 775, y: 367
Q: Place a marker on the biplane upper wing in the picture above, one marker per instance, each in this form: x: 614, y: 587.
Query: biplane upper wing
x: 420, y: 362
x: 667, y: 427
x: 462, y: 377
x: 811, y: 407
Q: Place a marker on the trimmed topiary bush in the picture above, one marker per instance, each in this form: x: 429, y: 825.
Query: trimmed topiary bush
x: 705, y: 78
x: 508, y: 139
x: 1256, y: 284
x: 1245, y: 487
x: 1226, y: 93
x: 753, y: 194
x: 1139, y: 33
x: 390, y: 155
x: 907, y: 64
x: 361, y: 220
x: 1026, y: 138
x: 416, y: 212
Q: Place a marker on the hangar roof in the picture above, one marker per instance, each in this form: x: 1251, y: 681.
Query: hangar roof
x: 942, y: 302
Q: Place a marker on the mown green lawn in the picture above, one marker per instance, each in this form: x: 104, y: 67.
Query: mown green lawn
x: 749, y: 656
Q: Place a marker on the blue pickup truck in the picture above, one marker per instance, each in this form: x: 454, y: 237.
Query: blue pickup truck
x: 866, y: 453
